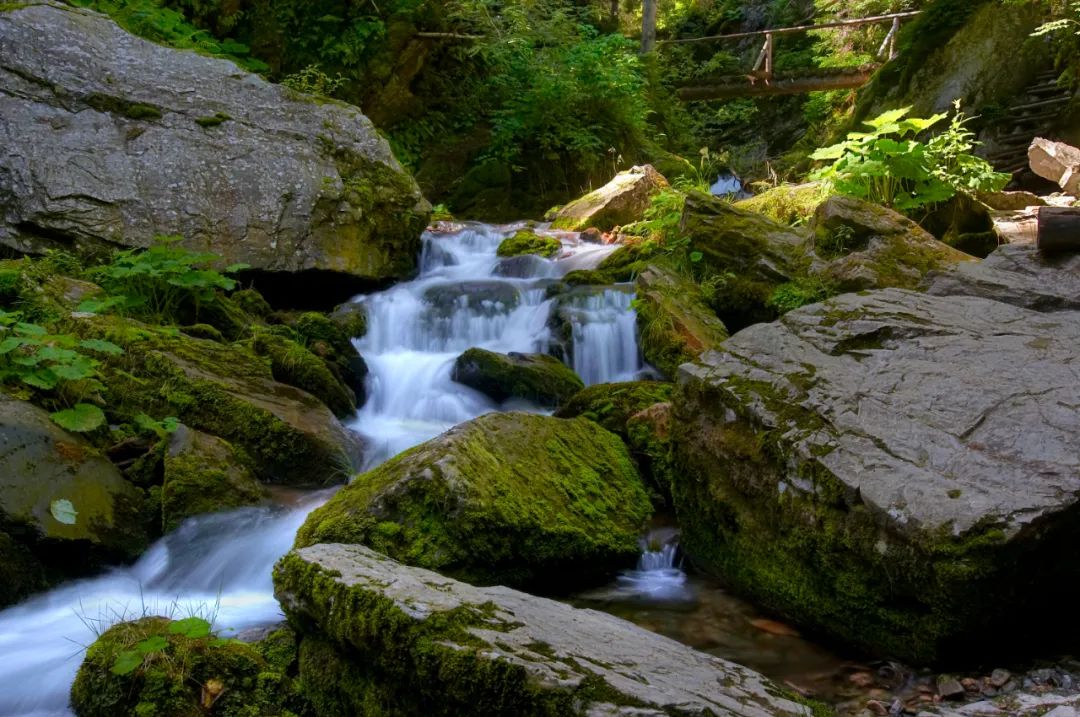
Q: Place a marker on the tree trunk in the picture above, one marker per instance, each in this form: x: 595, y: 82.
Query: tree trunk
x: 1059, y: 230
x: 648, y: 26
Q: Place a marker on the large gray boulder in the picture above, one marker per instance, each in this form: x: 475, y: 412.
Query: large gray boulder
x: 1017, y: 274
x: 442, y: 647
x: 111, y: 139
x: 621, y: 201
x: 895, y: 469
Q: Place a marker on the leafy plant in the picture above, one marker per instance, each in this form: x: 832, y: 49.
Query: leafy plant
x: 158, y: 281
x: 313, y: 81
x: 794, y: 294
x: 33, y: 356
x: 1061, y: 24
x: 887, y: 165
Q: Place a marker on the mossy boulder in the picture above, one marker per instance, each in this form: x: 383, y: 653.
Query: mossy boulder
x: 204, y: 474
x: 226, y: 391
x: 747, y: 255
x: 529, y: 242
x: 294, y: 365
x: 62, y: 499
x: 893, y: 469
x: 183, y: 675
x: 509, y: 498
x: 252, y: 303
x: 623, y: 200
x: 542, y: 379
x: 612, y: 404
x: 351, y: 318
x: 872, y: 247
x: 787, y: 203
x: 676, y: 324
x: 382, y: 638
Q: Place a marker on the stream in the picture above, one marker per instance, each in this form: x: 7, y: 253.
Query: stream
x: 218, y: 566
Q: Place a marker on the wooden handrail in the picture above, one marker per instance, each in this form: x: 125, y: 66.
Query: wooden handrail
x: 800, y: 28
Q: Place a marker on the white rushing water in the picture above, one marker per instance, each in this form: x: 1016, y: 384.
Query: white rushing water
x: 658, y: 577
x: 220, y: 565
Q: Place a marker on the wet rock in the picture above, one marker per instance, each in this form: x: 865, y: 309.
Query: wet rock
x: 592, y: 235
x: 485, y: 297
x: 62, y: 504
x: 229, y: 392
x: 508, y: 498
x: 520, y: 267
x: 949, y: 687
x: 613, y: 404
x: 542, y: 379
x: 115, y: 140
x: 676, y: 324
x: 1016, y: 274
x: 204, y: 474
x: 999, y: 677
x: 1056, y: 161
x: 457, y: 646
x: 872, y: 247
x: 621, y: 201
x: 895, y: 469
x: 295, y: 365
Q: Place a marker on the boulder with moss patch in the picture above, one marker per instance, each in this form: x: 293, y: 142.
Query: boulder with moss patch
x: 204, y: 474
x: 60, y: 499
x: 185, y: 673
x: 439, y: 647
x: 227, y: 391
x: 676, y: 323
x: 612, y: 404
x: 510, y: 498
x: 529, y: 242
x: 623, y: 200
x: 787, y: 203
x: 894, y: 469
x: 542, y: 379
x: 294, y: 365
x: 871, y: 247
x: 290, y: 184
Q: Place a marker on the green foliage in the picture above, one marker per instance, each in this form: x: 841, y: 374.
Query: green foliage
x: 887, y: 165
x: 660, y: 221
x: 313, y: 81
x: 162, y: 429
x: 156, y: 283
x: 792, y: 295
x: 37, y: 359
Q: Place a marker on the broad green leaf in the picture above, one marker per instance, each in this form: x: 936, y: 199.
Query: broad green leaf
x: 834, y: 152
x: 152, y: 644
x: 10, y: 344
x: 40, y: 378
x: 193, y: 627
x: 888, y: 118
x: 101, y: 346
x: 126, y: 662
x: 26, y: 329
x: 81, y: 418
x: 81, y: 367
x: 233, y: 268
x: 63, y: 511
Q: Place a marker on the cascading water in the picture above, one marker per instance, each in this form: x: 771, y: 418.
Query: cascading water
x: 221, y: 564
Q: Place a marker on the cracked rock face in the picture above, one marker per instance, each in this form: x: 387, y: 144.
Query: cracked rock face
x: 109, y: 139
x: 895, y: 468
x: 457, y: 647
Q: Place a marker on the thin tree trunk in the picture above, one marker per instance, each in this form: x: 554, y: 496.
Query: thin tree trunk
x: 648, y: 26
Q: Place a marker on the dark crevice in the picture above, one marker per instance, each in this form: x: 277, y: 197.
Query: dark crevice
x: 313, y: 289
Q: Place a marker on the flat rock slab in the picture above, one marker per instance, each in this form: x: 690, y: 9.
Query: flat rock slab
x: 1016, y: 274
x: 514, y: 653
x: 896, y: 468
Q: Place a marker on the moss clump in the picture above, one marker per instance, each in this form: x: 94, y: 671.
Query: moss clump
x: 121, y: 106
x: 629, y: 260
x: 213, y: 120
x: 676, y: 324
x: 351, y: 318
x: 184, y: 677
x: 527, y: 242
x: 203, y: 331
x: 612, y: 404
x: 293, y: 364
x: 313, y: 327
x: 512, y: 498
x: 539, y: 378
x: 787, y: 203
x: 204, y: 474
x: 252, y: 303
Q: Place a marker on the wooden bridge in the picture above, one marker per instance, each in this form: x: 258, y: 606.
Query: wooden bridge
x: 763, y: 81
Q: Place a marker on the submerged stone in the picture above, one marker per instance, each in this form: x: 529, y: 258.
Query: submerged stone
x: 893, y: 469
x: 542, y: 379
x: 510, y: 498
x: 441, y: 647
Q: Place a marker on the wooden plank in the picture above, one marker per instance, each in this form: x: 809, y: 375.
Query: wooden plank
x: 755, y: 86
x: 792, y: 30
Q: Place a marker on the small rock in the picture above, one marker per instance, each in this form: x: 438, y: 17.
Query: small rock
x: 592, y: 235
x: 999, y: 677
x: 970, y: 684
x: 1062, y: 711
x: 861, y: 679
x: 877, y: 707
x: 949, y: 688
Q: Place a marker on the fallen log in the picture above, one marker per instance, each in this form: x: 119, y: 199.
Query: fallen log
x: 1059, y: 230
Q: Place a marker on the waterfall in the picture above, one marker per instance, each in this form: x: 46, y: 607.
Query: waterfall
x: 220, y: 565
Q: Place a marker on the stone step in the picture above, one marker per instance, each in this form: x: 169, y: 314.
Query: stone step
x: 1049, y: 102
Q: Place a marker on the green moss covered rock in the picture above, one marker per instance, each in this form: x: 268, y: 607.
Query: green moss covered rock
x: 623, y: 200
x: 628, y: 260
x: 351, y: 318
x: 542, y: 379
x: 226, y: 391
x: 511, y: 498
x: 676, y: 324
x: 204, y: 474
x: 184, y: 676
x: 612, y: 404
x: 787, y: 203
x: 293, y: 364
x: 529, y: 242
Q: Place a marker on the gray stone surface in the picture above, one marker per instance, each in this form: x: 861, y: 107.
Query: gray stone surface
x: 1015, y: 274
x: 918, y: 396
x: 577, y: 661
x: 1056, y: 161
x: 108, y: 138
